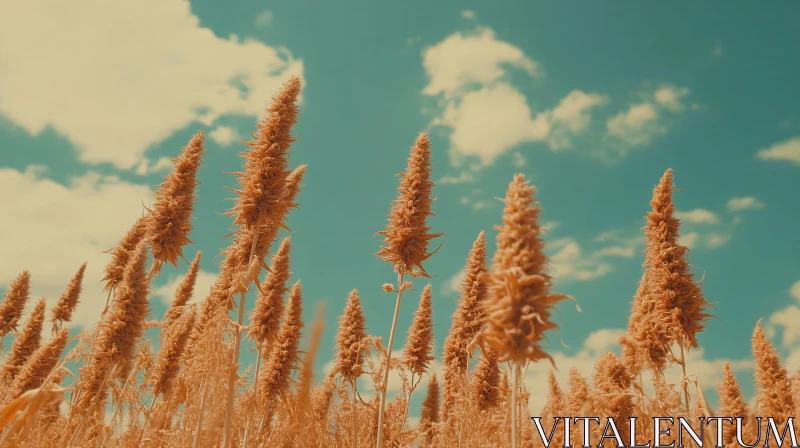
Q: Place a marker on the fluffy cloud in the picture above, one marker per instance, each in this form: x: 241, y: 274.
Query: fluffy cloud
x: 128, y: 75
x: 202, y: 287
x: 698, y: 216
x: 469, y: 72
x: 643, y: 121
x: 146, y: 167
x: 480, y: 130
x: 788, y: 151
x: 466, y: 59
x: 744, y: 203
x: 636, y: 126
x: 670, y: 97
x: 787, y: 322
x: 705, y: 229
x: 224, y: 135
x: 61, y: 226
x: 570, y: 261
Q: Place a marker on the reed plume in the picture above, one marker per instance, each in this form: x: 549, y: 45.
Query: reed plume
x: 486, y: 381
x: 115, y: 270
x: 578, y: 401
x: 14, y: 300
x: 519, y: 303
x: 282, y: 357
x: 261, y: 206
x: 775, y: 397
x: 612, y: 383
x: 183, y: 294
x: 265, y: 317
x: 429, y: 413
x: 350, y: 340
x: 554, y: 407
x: 637, y: 350
x: 39, y: 365
x: 407, y: 233
x: 63, y: 310
x: 467, y: 322
x: 119, y: 333
x: 25, y: 344
x: 419, y: 345
x: 260, y: 198
x: 406, y: 241
x: 731, y: 403
x: 673, y: 308
x: 169, y: 222
x: 170, y: 354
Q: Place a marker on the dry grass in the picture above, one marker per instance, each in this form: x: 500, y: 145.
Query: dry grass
x: 190, y: 393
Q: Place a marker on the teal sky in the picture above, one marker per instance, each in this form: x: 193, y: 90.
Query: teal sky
x: 591, y: 101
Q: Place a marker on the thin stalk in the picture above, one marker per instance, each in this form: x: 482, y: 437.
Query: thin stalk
x: 385, y: 383
x: 255, y: 395
x: 237, y: 342
x: 355, y: 415
x: 685, y: 385
x: 514, y: 410
x: 146, y: 419
x: 200, y: 417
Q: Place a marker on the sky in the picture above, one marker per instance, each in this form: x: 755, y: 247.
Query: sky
x: 591, y: 101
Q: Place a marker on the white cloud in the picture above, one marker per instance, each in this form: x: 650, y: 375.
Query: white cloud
x: 670, y: 97
x: 643, y: 121
x: 475, y: 204
x: 703, y: 240
x: 466, y: 176
x: 572, y: 116
x: 464, y: 59
x: 454, y: 283
x: 488, y: 122
x: 127, y: 77
x: 518, y: 160
x: 264, y: 19
x: 468, y: 14
x: 795, y: 291
x: 788, y: 151
x: 788, y: 321
x: 224, y: 135
x: 145, y: 167
x: 637, y: 125
x: 570, y: 263
x: 59, y: 227
x: 698, y: 216
x: 202, y: 287
x: 744, y: 203
x: 486, y: 115
x: 689, y: 239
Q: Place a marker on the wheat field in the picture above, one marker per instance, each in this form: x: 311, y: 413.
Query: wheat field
x: 191, y: 392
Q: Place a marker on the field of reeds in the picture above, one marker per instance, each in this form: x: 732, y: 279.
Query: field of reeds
x: 191, y: 392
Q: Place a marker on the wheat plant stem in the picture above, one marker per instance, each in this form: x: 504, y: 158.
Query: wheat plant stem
x: 237, y: 343
x: 200, y: 415
x: 514, y: 408
x: 385, y: 383
x: 685, y: 385
x: 255, y: 395
x: 355, y: 414
x: 146, y: 419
